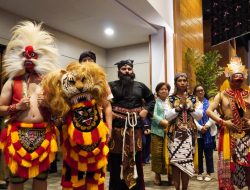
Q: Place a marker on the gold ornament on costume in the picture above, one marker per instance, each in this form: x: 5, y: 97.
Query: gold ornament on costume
x: 235, y: 66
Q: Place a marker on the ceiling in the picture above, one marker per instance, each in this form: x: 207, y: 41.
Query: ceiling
x: 87, y: 19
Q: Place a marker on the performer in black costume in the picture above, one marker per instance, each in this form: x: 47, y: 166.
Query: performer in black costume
x: 129, y: 111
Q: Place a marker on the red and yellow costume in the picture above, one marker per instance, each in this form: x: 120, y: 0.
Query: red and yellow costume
x: 234, y: 144
x: 28, y: 147
x: 84, y: 151
x: 76, y: 95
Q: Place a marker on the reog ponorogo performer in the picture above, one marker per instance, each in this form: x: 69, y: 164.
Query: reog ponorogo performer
x: 76, y: 95
x: 29, y: 140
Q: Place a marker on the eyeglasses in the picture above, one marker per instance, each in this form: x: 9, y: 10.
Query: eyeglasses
x: 200, y: 90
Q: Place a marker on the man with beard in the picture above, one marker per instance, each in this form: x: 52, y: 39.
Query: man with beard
x: 129, y: 111
x: 233, y: 102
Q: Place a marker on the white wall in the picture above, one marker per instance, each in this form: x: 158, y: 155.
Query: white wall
x: 158, y: 58
x: 69, y: 47
x: 139, y: 53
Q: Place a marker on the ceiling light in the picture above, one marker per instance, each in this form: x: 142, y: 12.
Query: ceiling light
x: 109, y: 31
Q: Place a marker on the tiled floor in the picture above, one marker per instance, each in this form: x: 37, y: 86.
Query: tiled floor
x: 54, y: 181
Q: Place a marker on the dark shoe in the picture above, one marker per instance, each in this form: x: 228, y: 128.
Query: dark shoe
x: 3, y: 186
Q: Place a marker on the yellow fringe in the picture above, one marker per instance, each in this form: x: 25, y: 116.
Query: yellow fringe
x: 97, y: 176
x: 34, y: 155
x: 79, y: 183
x: 25, y: 163
x: 71, y: 129
x: 26, y: 125
x: 83, y: 153
x: 22, y: 152
x: 226, y: 144
x: 101, y: 163
x: 166, y: 153
x: 74, y: 179
x: 96, y: 151
x: 33, y: 171
x: 101, y: 180
x: 52, y: 157
x: 45, y: 144
x: 105, y: 150
x: 43, y: 156
x: 12, y: 150
x: 13, y: 166
x: 82, y: 166
x: 2, y: 144
x: 92, y: 186
x: 196, y: 156
x: 74, y: 155
x: 8, y: 130
x: 91, y: 160
x: 102, y: 129
x: 14, y: 137
x: 53, y: 145
x: 87, y: 138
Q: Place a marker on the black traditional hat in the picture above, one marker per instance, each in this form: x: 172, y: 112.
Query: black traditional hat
x: 89, y: 54
x: 124, y: 62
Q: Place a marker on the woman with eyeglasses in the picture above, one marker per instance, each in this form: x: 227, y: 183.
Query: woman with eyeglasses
x: 206, y: 129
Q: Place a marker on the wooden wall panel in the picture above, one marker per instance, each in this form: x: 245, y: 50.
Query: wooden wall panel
x: 188, y: 32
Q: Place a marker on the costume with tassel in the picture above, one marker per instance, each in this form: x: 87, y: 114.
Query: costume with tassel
x: 233, y: 147
x: 28, y: 140
x: 125, y: 156
x: 84, y: 150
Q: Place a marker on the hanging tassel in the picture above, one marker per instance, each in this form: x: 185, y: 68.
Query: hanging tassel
x: 135, y: 172
x: 121, y: 174
x: 232, y: 166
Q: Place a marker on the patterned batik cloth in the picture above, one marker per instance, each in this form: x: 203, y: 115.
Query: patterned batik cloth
x: 181, y: 151
x: 232, y: 172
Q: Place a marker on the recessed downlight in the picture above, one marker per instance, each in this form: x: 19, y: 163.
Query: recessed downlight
x: 109, y: 31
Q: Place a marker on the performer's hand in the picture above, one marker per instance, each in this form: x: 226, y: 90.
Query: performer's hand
x: 164, y: 123
x: 229, y: 124
x: 183, y: 100
x: 246, y: 122
x: 143, y: 114
x: 41, y: 101
x: 203, y: 130
x: 179, y: 108
x: 24, y: 104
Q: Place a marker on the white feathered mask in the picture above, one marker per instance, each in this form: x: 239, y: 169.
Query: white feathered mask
x: 30, y: 48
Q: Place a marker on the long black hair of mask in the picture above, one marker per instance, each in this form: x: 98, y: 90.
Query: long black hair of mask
x: 127, y: 81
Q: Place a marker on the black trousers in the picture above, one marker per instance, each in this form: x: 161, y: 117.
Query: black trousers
x: 115, y: 182
x: 208, y: 152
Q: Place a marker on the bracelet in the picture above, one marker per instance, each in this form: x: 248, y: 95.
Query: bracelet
x: 12, y: 108
x: 221, y: 122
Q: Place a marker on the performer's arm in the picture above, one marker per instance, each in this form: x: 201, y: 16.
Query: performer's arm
x: 6, y: 108
x: 212, y: 107
x: 5, y: 98
x: 158, y: 118
x: 170, y: 113
x: 149, y: 102
x: 107, y: 108
x: 199, y: 127
x: 198, y: 112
